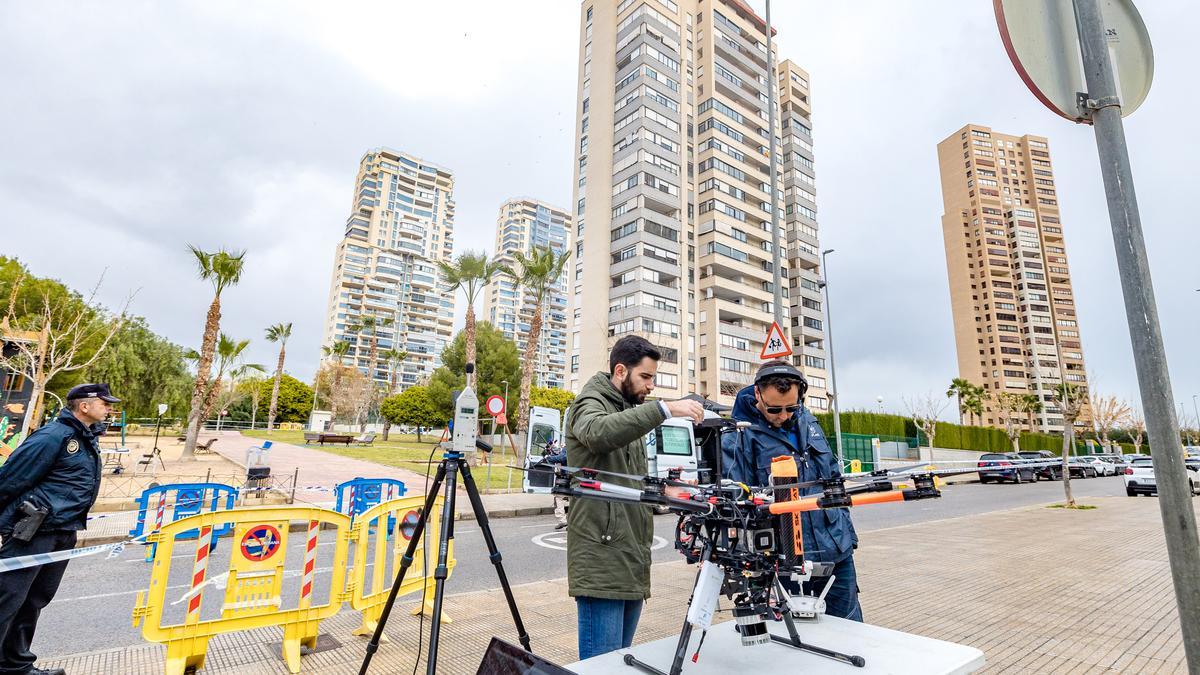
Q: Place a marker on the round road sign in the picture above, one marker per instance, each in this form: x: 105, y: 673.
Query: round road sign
x: 408, y: 524
x: 260, y: 542
x: 1042, y: 42
x: 495, y: 406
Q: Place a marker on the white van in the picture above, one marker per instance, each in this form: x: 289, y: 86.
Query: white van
x: 671, y: 445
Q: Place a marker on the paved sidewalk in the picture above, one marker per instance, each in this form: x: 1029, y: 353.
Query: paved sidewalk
x: 1039, y: 590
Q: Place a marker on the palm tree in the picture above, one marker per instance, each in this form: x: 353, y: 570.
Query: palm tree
x: 470, y: 272
x: 371, y: 325
x: 280, y: 333
x: 1031, y: 404
x: 223, y: 269
x: 537, y: 274
x: 229, y: 352
x: 240, y: 374
x: 393, y: 357
x: 961, y: 388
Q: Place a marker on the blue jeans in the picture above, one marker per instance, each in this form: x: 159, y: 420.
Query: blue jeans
x: 842, y: 599
x: 606, y: 625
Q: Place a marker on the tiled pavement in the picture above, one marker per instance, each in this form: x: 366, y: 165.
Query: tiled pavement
x: 1039, y: 590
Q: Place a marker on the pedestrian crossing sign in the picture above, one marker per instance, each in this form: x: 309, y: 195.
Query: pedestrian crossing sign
x: 776, y: 345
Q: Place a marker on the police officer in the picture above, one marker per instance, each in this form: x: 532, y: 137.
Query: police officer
x: 47, y: 487
x: 780, y: 425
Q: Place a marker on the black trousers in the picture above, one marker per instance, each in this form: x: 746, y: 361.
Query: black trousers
x: 23, y: 594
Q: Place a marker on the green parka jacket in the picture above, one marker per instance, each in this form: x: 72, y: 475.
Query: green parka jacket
x: 608, y: 544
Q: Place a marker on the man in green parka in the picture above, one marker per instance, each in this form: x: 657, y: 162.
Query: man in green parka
x: 608, y: 544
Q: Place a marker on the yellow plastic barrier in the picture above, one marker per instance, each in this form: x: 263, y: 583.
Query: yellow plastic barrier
x: 372, y: 527
x: 258, y: 553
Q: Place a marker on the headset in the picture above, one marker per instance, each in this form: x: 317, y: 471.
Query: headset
x: 782, y: 370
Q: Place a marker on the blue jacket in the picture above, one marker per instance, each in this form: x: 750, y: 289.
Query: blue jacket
x: 829, y: 534
x: 57, y: 467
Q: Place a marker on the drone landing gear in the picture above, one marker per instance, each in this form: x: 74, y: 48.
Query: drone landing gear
x: 792, y: 640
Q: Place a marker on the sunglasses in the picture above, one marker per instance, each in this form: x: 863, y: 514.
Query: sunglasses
x: 776, y: 409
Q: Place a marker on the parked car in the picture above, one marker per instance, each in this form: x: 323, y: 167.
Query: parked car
x: 1139, y: 477
x: 1102, y: 467
x: 1083, y: 467
x: 1051, y: 472
x: 1008, y: 466
x: 1118, y: 463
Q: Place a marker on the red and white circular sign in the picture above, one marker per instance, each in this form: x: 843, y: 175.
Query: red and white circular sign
x: 495, y: 406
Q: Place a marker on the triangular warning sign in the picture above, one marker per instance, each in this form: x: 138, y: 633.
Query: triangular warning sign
x: 776, y: 345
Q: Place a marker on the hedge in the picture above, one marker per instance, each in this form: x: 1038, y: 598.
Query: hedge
x: 951, y: 436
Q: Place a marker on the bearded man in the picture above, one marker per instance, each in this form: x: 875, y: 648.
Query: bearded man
x: 608, y: 544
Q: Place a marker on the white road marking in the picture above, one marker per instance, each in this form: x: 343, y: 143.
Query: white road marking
x: 557, y: 540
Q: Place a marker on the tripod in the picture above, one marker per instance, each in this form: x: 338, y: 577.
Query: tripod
x: 451, y: 465
x: 793, y: 639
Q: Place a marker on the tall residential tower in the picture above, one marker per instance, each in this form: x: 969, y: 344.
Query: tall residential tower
x: 401, y: 223
x: 1010, y: 286
x: 525, y: 223
x: 673, y: 179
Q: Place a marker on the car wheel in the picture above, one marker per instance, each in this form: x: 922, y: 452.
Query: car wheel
x: 984, y: 481
x: 1130, y: 492
x: 1018, y: 480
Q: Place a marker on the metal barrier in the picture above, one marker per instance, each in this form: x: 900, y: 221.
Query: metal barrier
x: 365, y: 493
x: 402, y: 516
x: 189, y: 499
x: 253, y: 583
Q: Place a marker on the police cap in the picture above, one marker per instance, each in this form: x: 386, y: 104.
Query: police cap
x: 99, y: 391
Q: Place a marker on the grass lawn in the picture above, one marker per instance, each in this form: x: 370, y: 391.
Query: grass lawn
x: 403, y: 450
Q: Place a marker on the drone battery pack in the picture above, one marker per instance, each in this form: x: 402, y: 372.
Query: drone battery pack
x: 705, y: 595
x: 790, y: 532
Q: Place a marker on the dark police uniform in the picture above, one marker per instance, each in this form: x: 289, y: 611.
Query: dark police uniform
x: 56, y: 469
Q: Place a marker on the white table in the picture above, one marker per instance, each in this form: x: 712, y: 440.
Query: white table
x: 885, y: 651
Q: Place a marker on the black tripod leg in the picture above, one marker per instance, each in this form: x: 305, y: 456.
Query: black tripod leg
x: 441, y: 571
x: 793, y: 639
x: 494, y: 553
x: 405, y: 563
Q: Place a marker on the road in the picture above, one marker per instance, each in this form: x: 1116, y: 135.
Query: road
x: 92, y: 610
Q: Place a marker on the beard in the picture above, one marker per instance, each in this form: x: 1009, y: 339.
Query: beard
x: 628, y: 393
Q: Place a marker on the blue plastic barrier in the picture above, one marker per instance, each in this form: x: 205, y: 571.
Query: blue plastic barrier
x: 181, y: 500
x: 358, y: 495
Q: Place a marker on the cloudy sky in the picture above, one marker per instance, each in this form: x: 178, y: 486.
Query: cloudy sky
x: 130, y: 130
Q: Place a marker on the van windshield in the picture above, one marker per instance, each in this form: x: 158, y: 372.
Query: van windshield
x: 542, y: 434
x: 673, y: 441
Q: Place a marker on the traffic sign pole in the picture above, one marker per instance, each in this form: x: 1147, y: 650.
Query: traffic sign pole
x: 1103, y: 106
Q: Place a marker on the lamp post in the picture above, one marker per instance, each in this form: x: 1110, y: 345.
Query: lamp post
x: 837, y: 418
x: 778, y: 257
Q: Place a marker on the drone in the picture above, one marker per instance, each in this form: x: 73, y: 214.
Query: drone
x: 746, y: 538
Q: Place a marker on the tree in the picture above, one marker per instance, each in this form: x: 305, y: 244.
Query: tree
x: 496, y: 361
x: 295, y: 398
x: 413, y: 406
x: 352, y: 400
x: 144, y: 370
x: 1008, y: 406
x: 1108, y: 413
x: 470, y: 272
x: 550, y: 397
x: 229, y: 358
x: 537, y: 274
x: 1137, y: 430
x: 394, y: 358
x: 71, y: 335
x: 1070, y: 399
x: 369, y: 325
x: 1031, y: 405
x: 961, y: 388
x: 246, y: 373
x: 280, y: 333
x: 223, y: 269
x: 925, y: 412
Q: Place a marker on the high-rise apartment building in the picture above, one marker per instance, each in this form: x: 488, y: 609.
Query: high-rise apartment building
x: 1010, y: 286
x: 401, y: 224
x: 523, y: 224
x: 673, y: 179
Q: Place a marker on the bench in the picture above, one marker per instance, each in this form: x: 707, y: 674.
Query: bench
x: 205, y: 448
x: 365, y: 439
x: 344, y: 439
x: 311, y: 437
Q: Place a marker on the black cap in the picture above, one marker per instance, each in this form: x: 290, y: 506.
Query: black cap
x: 778, y: 370
x: 99, y: 391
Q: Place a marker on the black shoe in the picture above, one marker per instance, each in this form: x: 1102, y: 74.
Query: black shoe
x: 560, y: 526
x: 42, y: 671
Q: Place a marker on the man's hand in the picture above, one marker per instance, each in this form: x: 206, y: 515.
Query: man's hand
x: 686, y: 408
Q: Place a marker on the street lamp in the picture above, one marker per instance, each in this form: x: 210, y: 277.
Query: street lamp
x: 879, y: 400
x: 837, y: 418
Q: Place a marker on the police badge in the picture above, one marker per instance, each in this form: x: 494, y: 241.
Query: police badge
x: 72, y: 446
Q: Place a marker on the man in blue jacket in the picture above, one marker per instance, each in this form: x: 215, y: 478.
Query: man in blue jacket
x: 47, y: 487
x: 781, y: 425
